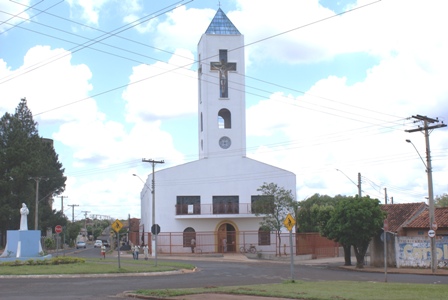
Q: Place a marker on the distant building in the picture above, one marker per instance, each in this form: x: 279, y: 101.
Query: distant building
x: 215, y: 193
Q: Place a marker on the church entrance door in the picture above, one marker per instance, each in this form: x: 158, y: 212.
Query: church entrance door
x: 226, y: 238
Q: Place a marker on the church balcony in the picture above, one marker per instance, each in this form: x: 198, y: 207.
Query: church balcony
x: 214, y: 210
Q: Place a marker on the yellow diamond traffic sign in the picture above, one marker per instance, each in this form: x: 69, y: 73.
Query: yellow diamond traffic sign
x: 289, y: 222
x: 117, y: 225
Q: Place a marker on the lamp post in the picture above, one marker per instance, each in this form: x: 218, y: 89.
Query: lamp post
x: 428, y: 168
x: 152, y: 192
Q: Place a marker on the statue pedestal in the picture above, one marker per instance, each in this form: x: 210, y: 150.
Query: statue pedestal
x: 23, y: 245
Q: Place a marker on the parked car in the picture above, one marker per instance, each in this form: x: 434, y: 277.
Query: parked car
x: 105, y: 243
x: 98, y: 244
x: 80, y: 244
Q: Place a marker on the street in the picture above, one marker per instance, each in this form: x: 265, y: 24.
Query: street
x: 212, y: 271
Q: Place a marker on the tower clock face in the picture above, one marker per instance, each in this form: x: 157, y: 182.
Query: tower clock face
x: 225, y: 142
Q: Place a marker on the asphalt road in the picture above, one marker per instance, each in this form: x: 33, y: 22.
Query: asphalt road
x: 211, y: 272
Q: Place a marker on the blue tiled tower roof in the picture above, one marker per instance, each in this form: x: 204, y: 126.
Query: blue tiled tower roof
x: 221, y: 25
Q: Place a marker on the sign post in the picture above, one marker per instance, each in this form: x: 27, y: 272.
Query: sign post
x: 58, y: 230
x: 289, y: 224
x: 155, y: 230
x: 385, y: 229
x: 116, y: 226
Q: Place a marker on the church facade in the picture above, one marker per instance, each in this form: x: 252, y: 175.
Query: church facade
x: 215, y: 193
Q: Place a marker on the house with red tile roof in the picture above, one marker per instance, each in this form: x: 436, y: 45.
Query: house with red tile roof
x: 420, y: 225
x: 407, y: 238
x: 398, y: 216
x: 401, y: 215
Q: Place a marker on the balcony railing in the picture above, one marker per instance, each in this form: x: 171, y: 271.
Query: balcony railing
x: 213, y: 209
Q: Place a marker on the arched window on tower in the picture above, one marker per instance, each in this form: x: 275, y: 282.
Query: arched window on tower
x: 224, y: 119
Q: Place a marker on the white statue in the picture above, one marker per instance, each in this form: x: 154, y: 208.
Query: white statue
x: 24, y: 217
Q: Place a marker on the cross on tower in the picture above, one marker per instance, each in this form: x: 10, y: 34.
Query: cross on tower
x: 223, y: 67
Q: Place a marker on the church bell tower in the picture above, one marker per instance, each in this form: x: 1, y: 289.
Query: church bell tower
x: 222, y: 107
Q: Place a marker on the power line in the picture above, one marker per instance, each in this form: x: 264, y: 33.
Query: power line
x: 91, y: 42
x: 122, y: 86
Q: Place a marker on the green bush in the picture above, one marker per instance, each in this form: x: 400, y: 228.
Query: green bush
x: 29, y: 262
x: 50, y: 243
x: 66, y: 260
x: 40, y: 262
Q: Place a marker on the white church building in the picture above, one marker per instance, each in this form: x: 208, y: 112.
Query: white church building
x: 210, y: 199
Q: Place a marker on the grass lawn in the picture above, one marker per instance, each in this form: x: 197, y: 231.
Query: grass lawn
x: 328, y: 290
x: 96, y: 266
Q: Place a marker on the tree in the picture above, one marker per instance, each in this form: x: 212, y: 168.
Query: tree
x: 314, y: 213
x: 73, y: 230
x: 441, y: 201
x: 24, y: 155
x: 275, y: 203
x: 355, y: 221
x: 309, y: 210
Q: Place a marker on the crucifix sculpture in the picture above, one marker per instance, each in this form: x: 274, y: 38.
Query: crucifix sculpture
x: 223, y: 67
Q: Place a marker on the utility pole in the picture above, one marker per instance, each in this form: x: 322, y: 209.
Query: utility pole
x: 85, y: 218
x: 385, y: 195
x: 36, y: 208
x: 73, y: 211
x: 153, y: 191
x: 153, y: 186
x: 426, y: 128
x: 62, y: 204
x: 359, y: 186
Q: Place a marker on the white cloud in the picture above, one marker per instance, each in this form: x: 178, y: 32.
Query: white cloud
x: 171, y: 90
x: 49, y: 80
x: 16, y: 13
x: 332, y: 131
x: 183, y: 28
x: 89, y: 9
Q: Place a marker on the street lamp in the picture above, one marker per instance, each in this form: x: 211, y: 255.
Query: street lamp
x: 153, y: 202
x: 428, y: 169
x: 143, y: 182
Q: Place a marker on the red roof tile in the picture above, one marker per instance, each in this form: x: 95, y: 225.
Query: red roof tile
x: 422, y: 221
x: 398, y: 215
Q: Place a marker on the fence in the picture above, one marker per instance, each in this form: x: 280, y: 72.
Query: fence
x: 316, y: 245
x: 231, y: 242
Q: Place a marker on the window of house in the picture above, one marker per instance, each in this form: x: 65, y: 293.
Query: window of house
x: 186, y: 205
x: 226, y: 204
x: 262, y: 204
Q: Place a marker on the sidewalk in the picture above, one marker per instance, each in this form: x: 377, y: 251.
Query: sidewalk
x: 337, y: 262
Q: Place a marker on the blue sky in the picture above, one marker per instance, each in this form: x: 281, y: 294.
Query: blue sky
x: 324, y: 92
